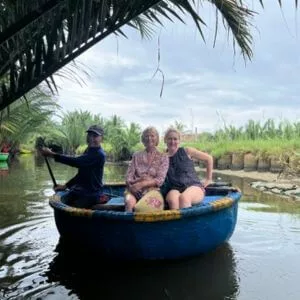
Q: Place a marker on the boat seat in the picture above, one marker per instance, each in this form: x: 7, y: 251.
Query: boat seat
x: 120, y: 200
x: 116, y: 200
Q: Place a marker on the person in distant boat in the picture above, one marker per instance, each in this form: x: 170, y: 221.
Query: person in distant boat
x: 182, y: 187
x: 86, y: 187
x: 147, y: 170
x: 5, y: 148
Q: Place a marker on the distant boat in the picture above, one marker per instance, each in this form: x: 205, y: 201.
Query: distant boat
x: 25, y: 151
x: 167, y: 234
x: 3, y: 156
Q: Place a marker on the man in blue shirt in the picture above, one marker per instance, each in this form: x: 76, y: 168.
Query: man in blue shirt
x: 86, y: 187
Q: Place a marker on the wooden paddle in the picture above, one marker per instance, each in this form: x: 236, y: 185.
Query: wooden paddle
x: 41, y: 144
x: 50, y: 172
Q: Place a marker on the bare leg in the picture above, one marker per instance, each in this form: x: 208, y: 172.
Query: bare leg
x: 130, y: 202
x: 172, y: 199
x: 192, y: 195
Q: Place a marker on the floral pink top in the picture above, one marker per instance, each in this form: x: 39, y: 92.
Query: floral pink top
x: 140, y: 168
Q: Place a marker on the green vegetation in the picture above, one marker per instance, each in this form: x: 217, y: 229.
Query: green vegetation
x: 26, y: 121
x: 69, y: 134
x: 260, y: 147
x: 264, y: 140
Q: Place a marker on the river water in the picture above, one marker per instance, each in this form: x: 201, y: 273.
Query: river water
x: 260, y: 261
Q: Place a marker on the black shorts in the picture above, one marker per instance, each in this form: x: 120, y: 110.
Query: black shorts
x: 165, y: 189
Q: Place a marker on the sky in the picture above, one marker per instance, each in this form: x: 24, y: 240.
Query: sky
x: 205, y: 87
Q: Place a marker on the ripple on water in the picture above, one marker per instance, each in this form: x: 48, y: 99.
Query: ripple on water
x: 260, y: 232
x: 266, y: 245
x: 26, y: 249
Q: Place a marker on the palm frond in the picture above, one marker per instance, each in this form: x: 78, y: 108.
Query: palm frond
x: 26, y: 116
x: 236, y: 21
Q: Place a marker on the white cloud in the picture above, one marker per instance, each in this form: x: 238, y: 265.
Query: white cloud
x: 100, y: 59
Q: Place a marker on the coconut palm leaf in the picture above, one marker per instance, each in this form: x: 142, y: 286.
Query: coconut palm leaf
x: 24, y: 119
x: 39, y: 37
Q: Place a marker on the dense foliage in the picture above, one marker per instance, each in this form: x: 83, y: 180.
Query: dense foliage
x: 25, y: 120
x: 69, y: 134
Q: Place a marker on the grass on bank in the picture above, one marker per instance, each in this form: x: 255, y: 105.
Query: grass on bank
x: 261, y: 147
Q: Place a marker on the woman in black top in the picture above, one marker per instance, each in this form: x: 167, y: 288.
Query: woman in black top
x: 183, y: 187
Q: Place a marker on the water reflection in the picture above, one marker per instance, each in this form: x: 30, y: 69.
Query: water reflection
x: 3, y: 165
x: 262, y: 202
x: 4, y: 169
x: 211, y: 276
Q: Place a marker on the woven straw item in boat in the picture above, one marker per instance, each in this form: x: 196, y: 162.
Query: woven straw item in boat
x: 151, y: 201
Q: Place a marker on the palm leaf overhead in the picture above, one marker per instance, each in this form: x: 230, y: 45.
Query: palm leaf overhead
x: 37, y: 38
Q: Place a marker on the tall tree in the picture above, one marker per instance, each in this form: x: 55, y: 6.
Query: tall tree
x: 71, y: 132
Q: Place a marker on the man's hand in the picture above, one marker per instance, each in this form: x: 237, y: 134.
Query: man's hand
x: 46, y: 151
x: 60, y: 187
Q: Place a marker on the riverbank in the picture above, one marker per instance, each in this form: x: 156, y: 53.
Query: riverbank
x: 269, y: 183
x: 264, y: 176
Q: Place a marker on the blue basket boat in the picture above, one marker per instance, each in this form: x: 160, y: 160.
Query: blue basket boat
x: 167, y: 234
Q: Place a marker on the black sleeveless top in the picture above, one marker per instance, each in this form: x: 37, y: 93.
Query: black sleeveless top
x: 181, y: 173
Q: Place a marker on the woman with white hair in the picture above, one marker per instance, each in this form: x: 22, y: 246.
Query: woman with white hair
x: 147, y: 170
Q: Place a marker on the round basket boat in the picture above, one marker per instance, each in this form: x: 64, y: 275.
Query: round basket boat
x: 167, y: 234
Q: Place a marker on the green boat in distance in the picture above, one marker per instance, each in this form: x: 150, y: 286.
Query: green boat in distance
x: 3, y: 156
x: 3, y: 167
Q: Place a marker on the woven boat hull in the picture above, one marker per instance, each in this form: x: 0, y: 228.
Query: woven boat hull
x: 3, y: 156
x: 163, y: 235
